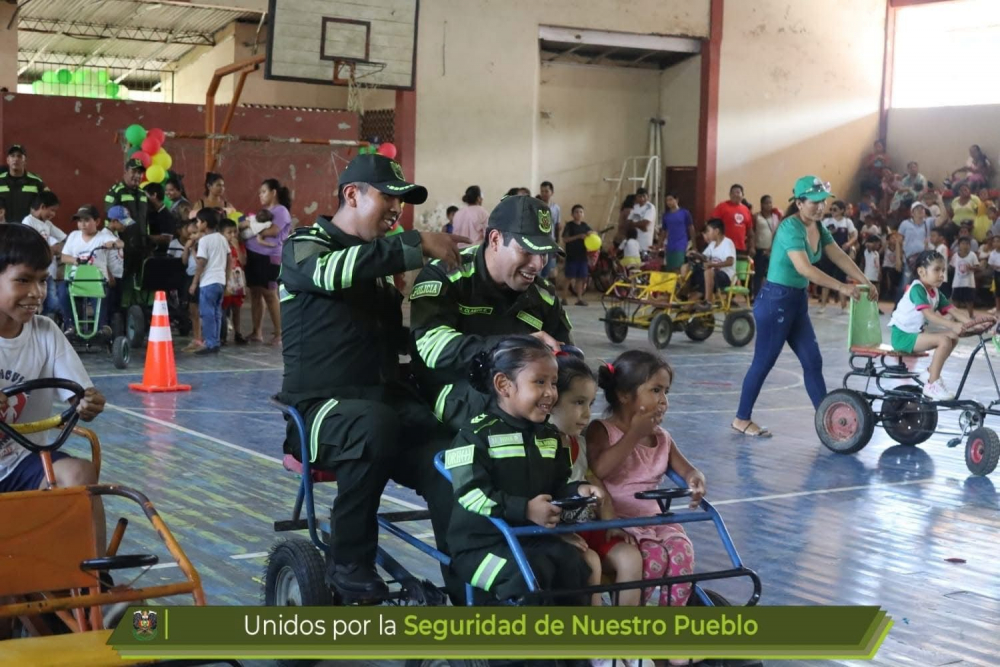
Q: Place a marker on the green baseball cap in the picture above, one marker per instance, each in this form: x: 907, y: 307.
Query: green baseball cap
x: 384, y: 175
x: 812, y: 188
x: 529, y: 220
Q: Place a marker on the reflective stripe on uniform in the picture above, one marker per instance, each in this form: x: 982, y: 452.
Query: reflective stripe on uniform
x: 317, y: 426
x: 547, y: 447
x: 546, y: 297
x: 432, y: 343
x: 284, y: 295
x: 127, y: 198
x: 477, y: 502
x: 440, y: 402
x: 347, y: 273
x: 530, y: 320
x: 464, y: 272
x: 488, y: 571
x: 29, y: 188
x: 507, y: 452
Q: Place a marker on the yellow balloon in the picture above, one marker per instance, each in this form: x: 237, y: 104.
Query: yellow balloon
x: 162, y: 159
x: 235, y: 216
x: 144, y: 184
x: 592, y: 243
x: 155, y: 173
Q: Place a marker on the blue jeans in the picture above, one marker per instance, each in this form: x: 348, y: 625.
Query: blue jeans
x: 782, y: 314
x: 210, y: 309
x: 52, y: 303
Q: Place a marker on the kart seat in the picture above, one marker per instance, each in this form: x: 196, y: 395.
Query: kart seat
x: 81, y: 649
x: 883, y: 350
x: 291, y: 464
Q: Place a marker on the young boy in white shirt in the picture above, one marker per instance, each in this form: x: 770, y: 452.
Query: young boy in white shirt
x: 210, y: 278
x: 88, y: 246
x: 44, y: 207
x: 32, y: 347
x: 718, y: 263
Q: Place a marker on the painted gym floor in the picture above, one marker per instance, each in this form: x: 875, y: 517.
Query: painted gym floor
x: 905, y: 528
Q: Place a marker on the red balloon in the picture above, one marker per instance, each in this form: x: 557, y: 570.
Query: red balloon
x: 150, y: 145
x: 156, y: 133
x: 388, y: 150
x: 143, y: 157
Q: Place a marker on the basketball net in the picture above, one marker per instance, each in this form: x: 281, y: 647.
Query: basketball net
x: 358, y: 77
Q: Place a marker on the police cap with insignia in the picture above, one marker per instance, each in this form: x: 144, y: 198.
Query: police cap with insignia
x: 529, y: 220
x: 384, y: 175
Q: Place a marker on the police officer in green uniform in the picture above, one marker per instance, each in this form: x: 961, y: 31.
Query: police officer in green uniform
x: 138, y: 245
x: 497, y: 292
x: 342, y: 333
x: 509, y: 467
x: 18, y: 186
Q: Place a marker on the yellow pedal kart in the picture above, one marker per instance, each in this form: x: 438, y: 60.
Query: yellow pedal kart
x: 651, y: 300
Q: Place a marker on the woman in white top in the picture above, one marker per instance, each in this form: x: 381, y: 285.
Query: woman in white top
x: 470, y: 221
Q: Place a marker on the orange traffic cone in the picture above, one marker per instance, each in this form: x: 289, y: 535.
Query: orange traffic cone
x: 161, y: 372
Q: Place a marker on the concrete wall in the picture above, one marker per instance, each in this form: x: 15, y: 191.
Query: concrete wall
x: 680, y: 107
x: 8, y: 48
x: 478, y: 77
x: 591, y: 119
x: 939, y: 137
x: 799, y: 92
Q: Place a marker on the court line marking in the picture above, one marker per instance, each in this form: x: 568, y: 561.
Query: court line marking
x: 239, y: 448
x: 818, y: 492
x: 182, y: 371
x: 256, y: 554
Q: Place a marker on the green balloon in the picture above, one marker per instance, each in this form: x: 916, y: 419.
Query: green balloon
x: 102, y: 76
x: 49, y: 77
x: 80, y: 76
x: 64, y: 76
x: 36, y: 87
x: 135, y: 134
x: 112, y: 91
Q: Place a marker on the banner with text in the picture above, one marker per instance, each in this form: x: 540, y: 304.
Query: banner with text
x: 501, y: 632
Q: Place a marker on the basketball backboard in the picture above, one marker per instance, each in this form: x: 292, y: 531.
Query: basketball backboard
x: 319, y: 41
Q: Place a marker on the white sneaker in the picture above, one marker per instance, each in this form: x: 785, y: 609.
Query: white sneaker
x: 937, y: 391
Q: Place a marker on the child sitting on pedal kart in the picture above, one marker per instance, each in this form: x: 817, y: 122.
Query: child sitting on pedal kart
x: 32, y: 347
x: 631, y: 452
x: 613, y: 550
x: 715, y: 267
x: 923, y: 303
x: 507, y: 463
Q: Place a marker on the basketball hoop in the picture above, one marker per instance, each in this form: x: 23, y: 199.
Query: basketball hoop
x: 355, y: 75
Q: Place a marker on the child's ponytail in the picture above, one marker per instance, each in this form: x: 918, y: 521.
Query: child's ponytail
x: 508, y: 357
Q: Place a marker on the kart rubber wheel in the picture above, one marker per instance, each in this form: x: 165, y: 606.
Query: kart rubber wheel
x: 615, y: 326
x: 661, y: 330
x: 700, y: 328
x: 602, y: 280
x: 117, y: 325
x: 909, y: 421
x: 982, y: 451
x: 136, y: 326
x: 844, y: 421
x: 120, y: 352
x: 739, y: 327
x: 716, y: 599
x: 296, y: 577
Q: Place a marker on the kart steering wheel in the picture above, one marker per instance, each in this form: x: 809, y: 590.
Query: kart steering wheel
x: 977, y: 326
x: 571, y: 503
x: 663, y: 497
x: 65, y: 420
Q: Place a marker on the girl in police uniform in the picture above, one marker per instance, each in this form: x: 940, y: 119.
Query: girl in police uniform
x: 923, y: 303
x: 507, y: 463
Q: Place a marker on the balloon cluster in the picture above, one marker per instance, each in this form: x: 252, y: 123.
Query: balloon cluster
x: 80, y: 83
x: 387, y: 149
x: 146, y: 146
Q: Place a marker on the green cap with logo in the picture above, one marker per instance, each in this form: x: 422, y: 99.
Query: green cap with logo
x: 812, y: 188
x: 384, y: 175
x: 529, y: 220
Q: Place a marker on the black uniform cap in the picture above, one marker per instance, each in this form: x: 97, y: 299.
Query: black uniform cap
x: 529, y: 220
x: 384, y: 175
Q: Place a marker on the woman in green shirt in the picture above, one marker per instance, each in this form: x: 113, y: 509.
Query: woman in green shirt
x: 782, y: 306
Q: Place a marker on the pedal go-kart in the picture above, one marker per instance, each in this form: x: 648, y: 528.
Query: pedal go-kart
x: 651, y: 300
x: 88, y: 288
x: 53, y: 579
x: 846, y: 418
x: 296, y: 566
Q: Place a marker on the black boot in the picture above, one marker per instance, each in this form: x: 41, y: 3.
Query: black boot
x: 356, y: 581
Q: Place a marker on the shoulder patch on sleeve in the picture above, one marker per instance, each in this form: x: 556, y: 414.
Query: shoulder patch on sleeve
x: 459, y: 456
x: 426, y: 288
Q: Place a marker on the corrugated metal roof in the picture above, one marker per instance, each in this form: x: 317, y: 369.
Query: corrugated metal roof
x: 117, y: 33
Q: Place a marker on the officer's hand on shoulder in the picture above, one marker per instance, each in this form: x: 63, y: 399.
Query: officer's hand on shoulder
x: 444, y: 247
